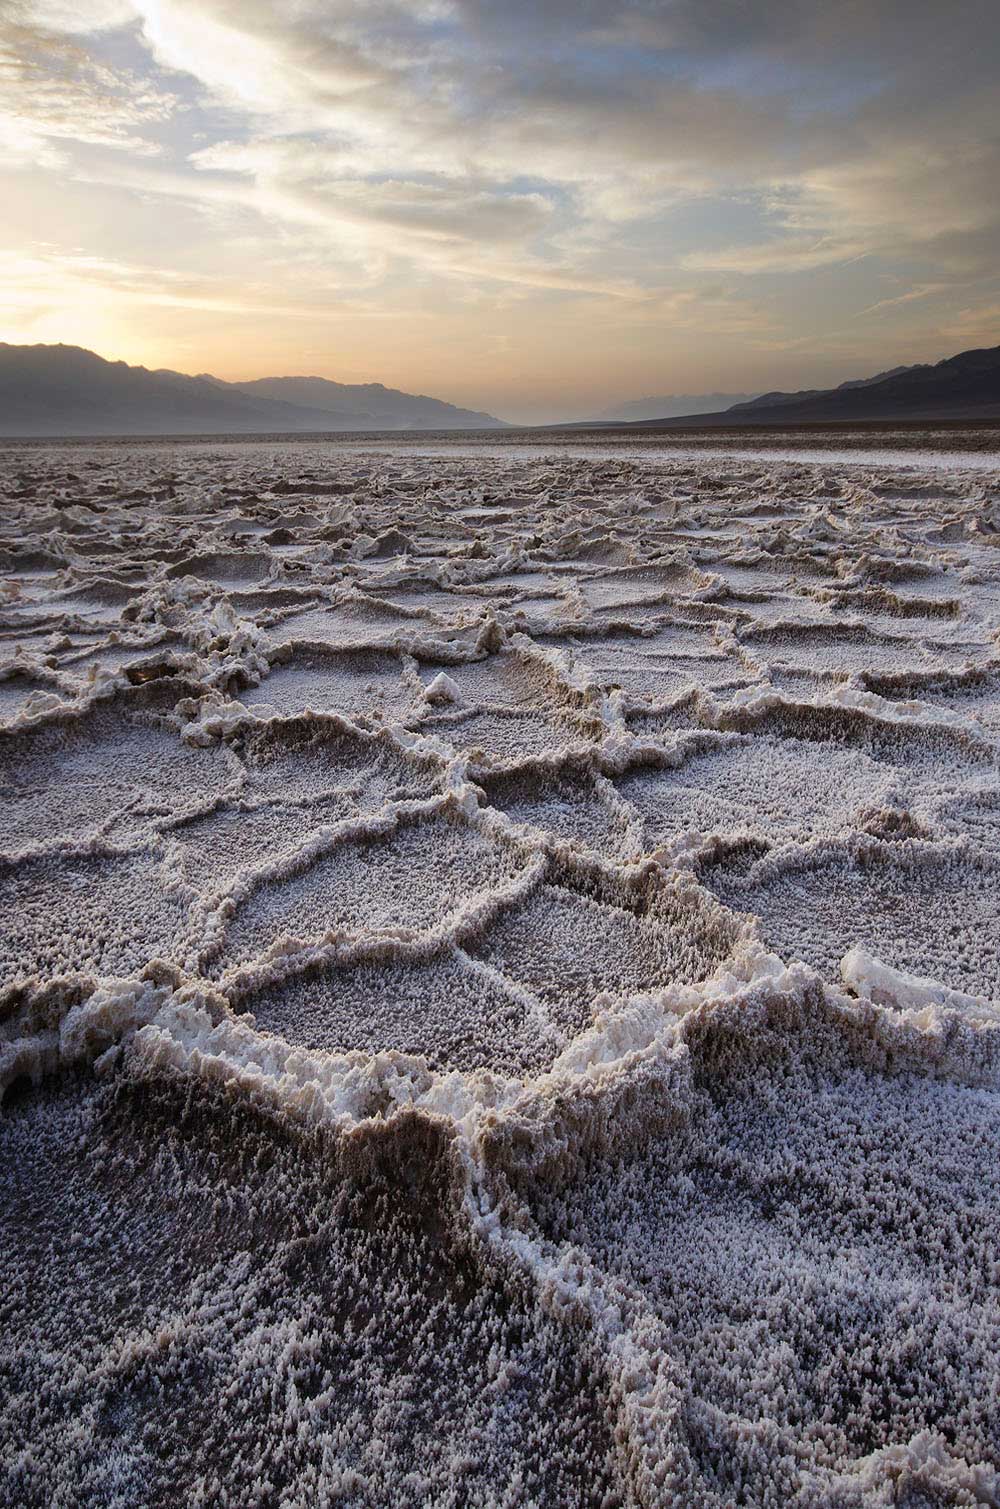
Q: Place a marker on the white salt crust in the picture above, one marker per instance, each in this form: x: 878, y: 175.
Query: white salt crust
x: 499, y: 998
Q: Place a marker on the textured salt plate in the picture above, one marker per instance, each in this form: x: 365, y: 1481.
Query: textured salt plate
x: 507, y: 679
x: 505, y: 737
x: 344, y: 625
x: 449, y: 1010
x: 586, y: 934
x: 89, y: 913
x: 216, y: 848
x: 573, y: 806
x: 235, y: 570
x: 779, y: 790
x: 483, y: 1378
x: 363, y: 685
x: 927, y: 909
x: 410, y: 875
x: 853, y: 650
x: 17, y: 687
x: 769, y: 1238
x: 314, y: 754
x: 72, y: 771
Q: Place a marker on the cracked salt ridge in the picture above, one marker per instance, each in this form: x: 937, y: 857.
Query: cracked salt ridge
x: 536, y: 1063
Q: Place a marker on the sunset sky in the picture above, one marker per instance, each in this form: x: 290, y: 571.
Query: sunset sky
x: 540, y: 209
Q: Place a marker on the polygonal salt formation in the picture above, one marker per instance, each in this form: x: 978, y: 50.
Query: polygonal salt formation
x: 111, y: 768
x: 304, y: 757
x: 927, y: 909
x: 447, y: 1009
x: 403, y: 880
x: 584, y: 934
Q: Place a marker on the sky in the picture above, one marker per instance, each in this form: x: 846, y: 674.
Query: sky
x: 540, y: 208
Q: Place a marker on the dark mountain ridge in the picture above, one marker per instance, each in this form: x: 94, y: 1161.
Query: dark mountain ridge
x: 966, y: 386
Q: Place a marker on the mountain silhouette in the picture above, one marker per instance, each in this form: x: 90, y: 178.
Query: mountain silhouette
x: 66, y: 390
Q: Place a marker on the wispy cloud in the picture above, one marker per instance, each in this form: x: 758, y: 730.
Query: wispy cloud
x: 53, y: 92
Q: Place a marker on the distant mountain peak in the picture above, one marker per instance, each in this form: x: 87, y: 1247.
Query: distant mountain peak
x: 68, y: 390
x: 963, y: 386
x: 384, y: 408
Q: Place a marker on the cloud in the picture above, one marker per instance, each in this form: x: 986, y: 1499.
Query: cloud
x: 317, y: 177
x: 706, y: 162
x: 69, y: 17
x: 784, y: 254
x: 53, y: 91
x: 719, y: 97
x: 284, y: 62
x: 911, y: 296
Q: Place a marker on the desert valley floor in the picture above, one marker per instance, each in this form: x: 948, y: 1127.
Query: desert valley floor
x: 499, y: 978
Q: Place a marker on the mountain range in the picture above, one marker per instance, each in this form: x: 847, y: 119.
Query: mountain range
x: 65, y: 390
x: 966, y: 386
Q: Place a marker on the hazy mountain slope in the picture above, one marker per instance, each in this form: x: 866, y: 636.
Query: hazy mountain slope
x: 777, y: 399
x: 966, y: 386
x: 371, y: 402
x: 672, y: 404
x: 65, y: 390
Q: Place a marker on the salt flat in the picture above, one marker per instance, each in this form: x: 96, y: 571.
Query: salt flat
x: 499, y: 984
